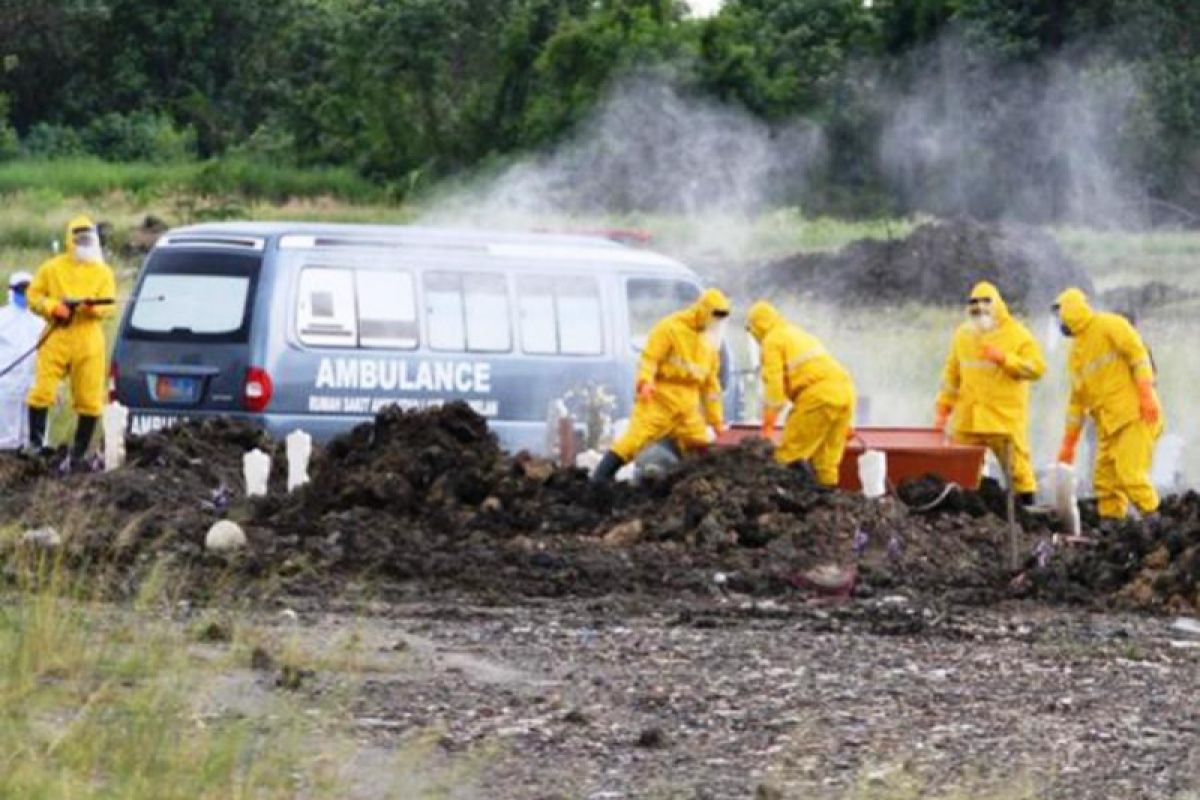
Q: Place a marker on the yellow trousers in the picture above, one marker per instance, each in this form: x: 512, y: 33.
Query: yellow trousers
x: 77, y: 352
x: 654, y: 419
x: 1021, y: 468
x: 1122, y: 470
x: 815, y: 432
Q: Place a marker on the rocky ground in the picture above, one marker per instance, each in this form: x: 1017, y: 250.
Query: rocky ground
x: 736, y: 698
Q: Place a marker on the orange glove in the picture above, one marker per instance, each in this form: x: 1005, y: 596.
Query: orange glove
x: 851, y: 433
x: 1066, y: 453
x: 719, y: 428
x: 769, y: 418
x: 645, y: 391
x: 1148, y: 400
x: 993, y: 354
x: 62, y: 312
x: 941, y: 416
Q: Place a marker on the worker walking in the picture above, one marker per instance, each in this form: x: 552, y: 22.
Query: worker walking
x: 678, y: 385
x: 20, y: 330
x: 63, y: 292
x: 984, y: 396
x: 1112, y: 381
x: 797, y: 369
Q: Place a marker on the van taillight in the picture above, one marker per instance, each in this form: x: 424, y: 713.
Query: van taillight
x: 258, y: 390
x: 113, y: 375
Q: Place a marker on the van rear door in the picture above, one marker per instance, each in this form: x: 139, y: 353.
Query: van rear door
x: 184, y: 344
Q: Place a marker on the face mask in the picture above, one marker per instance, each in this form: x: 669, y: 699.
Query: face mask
x: 89, y: 252
x: 1062, y: 326
x: 983, y: 322
x: 714, y: 331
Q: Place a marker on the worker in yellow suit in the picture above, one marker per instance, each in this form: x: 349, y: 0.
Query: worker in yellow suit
x: 797, y: 368
x: 63, y: 291
x: 678, y: 384
x: 984, y: 397
x: 1112, y: 381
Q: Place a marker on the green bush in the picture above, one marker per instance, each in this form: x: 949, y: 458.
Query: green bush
x: 48, y: 140
x: 141, y: 136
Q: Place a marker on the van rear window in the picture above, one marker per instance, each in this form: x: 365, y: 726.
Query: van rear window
x: 195, y: 297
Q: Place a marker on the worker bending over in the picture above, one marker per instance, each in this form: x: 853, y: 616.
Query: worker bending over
x: 678, y: 384
x: 797, y: 368
x: 1112, y: 381
x: 63, y: 291
x: 984, y: 397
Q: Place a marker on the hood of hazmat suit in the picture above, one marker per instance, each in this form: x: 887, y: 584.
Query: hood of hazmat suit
x: 77, y: 346
x: 990, y: 395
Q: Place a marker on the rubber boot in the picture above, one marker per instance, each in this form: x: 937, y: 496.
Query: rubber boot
x: 85, y: 428
x: 606, y: 470
x: 1026, y: 499
x: 805, y: 467
x: 37, y: 431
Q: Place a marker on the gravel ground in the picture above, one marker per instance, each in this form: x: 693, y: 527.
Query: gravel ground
x: 727, y: 698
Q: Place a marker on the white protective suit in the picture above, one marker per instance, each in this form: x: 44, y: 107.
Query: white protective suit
x: 20, y: 329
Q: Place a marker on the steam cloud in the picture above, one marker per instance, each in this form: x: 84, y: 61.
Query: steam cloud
x: 1036, y: 143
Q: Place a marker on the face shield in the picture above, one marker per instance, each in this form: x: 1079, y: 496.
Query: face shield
x: 1062, y: 326
x: 980, y: 314
x: 87, y: 244
x: 714, y: 329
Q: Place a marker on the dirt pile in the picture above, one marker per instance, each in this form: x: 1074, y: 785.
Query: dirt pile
x: 937, y: 263
x: 1154, y: 565
x: 427, y: 500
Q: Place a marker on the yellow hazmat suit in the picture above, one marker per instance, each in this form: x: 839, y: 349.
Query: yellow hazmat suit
x: 796, y: 368
x: 677, y: 377
x: 985, y: 383
x: 76, y: 347
x: 1112, y: 381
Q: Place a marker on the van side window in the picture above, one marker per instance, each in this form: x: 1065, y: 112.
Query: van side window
x: 468, y: 311
x: 387, y: 309
x: 325, y: 312
x: 651, y: 299
x: 560, y: 315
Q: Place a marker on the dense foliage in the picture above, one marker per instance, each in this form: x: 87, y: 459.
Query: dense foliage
x: 942, y: 105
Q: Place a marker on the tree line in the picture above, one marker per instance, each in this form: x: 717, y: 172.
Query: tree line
x: 408, y: 91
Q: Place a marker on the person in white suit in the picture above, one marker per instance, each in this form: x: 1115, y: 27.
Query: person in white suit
x: 20, y: 330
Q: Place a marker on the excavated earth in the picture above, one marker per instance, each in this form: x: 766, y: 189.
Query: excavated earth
x: 937, y: 263
x: 420, y: 501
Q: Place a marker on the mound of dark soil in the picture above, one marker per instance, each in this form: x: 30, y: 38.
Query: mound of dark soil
x: 419, y: 501
x: 1149, y: 566
x: 937, y: 263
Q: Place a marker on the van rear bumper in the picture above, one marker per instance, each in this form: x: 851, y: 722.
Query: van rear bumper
x: 513, y: 435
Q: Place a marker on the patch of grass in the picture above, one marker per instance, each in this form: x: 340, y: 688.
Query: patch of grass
x: 99, y: 701
x: 92, y: 178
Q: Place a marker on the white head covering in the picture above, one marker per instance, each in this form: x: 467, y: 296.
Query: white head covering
x: 19, y: 277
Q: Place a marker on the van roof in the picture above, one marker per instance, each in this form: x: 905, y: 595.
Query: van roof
x: 524, y: 245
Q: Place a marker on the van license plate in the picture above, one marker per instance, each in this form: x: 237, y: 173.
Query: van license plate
x: 175, y: 389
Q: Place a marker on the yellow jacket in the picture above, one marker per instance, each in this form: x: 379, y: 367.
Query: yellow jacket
x: 1107, y: 361
x: 64, y: 277
x: 681, y: 363
x: 795, y: 361
x: 988, y: 397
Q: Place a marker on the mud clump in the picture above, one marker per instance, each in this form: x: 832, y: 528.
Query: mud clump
x: 937, y: 263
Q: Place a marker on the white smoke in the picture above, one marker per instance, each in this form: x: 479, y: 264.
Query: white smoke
x: 648, y: 149
x: 1035, y: 143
